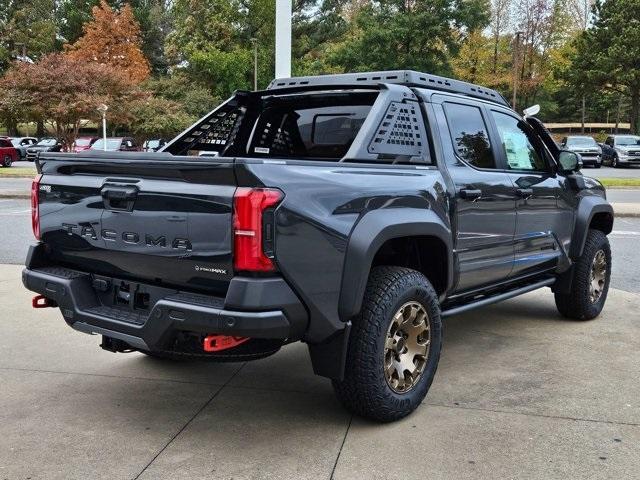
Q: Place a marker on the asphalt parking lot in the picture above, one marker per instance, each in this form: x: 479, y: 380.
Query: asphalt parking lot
x: 520, y: 393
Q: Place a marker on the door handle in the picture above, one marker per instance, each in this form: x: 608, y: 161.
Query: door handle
x: 469, y: 194
x: 524, y: 192
x: 119, y: 197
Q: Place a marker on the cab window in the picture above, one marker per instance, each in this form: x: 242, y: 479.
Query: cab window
x: 469, y: 134
x: 516, y: 144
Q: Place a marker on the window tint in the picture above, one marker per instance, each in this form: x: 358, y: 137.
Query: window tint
x: 310, y: 126
x: 469, y: 135
x: 520, y: 153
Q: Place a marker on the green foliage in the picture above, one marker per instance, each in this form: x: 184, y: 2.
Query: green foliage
x: 419, y: 35
x: 157, y: 117
x: 194, y: 99
x: 607, y: 55
x: 27, y: 22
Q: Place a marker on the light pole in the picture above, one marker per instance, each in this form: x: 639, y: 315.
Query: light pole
x: 283, y: 38
x: 254, y: 42
x: 516, y: 61
x: 103, y: 110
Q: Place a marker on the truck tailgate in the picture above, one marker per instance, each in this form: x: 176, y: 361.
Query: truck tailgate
x: 148, y: 217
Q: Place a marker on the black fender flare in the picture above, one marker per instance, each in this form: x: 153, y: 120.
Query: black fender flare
x: 587, y: 208
x: 370, y: 233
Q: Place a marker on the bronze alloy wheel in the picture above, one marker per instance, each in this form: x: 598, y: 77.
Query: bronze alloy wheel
x: 598, y: 276
x: 406, y: 347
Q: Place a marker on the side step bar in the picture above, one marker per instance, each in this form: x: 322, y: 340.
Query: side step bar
x: 497, y: 298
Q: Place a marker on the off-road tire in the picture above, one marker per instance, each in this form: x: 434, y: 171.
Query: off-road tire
x: 6, y: 161
x: 364, y: 389
x: 577, y: 305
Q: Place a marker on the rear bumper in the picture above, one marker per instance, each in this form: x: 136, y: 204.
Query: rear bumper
x: 253, y: 307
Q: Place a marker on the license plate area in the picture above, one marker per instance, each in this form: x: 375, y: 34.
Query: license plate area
x: 134, y: 297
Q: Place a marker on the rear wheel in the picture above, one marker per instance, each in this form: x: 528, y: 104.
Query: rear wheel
x: 6, y: 161
x: 590, y: 282
x: 394, y: 346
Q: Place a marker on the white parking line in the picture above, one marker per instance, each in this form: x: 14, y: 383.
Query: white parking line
x: 14, y: 213
x: 625, y: 233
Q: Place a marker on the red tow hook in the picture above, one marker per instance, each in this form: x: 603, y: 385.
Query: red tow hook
x: 217, y: 343
x: 40, y: 301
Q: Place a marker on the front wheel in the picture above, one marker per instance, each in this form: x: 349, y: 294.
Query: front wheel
x: 614, y: 162
x: 6, y: 161
x: 590, y: 281
x: 394, y: 346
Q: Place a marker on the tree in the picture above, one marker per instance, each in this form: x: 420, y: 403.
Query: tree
x: 415, y: 34
x: 194, y: 99
x: 64, y: 92
x: 28, y: 24
x: 112, y: 38
x: 152, y: 116
x: 608, y: 54
x: 500, y: 22
x: 477, y: 62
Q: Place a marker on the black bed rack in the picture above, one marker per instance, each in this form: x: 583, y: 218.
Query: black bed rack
x: 409, y: 78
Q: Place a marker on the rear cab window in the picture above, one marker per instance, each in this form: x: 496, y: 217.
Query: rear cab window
x: 469, y: 134
x: 309, y: 126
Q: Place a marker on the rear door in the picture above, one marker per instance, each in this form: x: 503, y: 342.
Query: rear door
x: 485, y: 207
x: 543, y: 205
x: 166, y: 221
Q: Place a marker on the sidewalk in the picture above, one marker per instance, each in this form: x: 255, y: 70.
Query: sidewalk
x: 19, y: 188
x: 520, y: 392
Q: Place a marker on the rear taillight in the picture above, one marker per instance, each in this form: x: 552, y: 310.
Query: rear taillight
x: 253, y: 228
x: 35, y: 209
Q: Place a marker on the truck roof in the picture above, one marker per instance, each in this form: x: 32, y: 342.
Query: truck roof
x: 409, y: 78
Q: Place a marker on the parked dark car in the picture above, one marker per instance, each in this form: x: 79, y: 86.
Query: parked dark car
x: 22, y: 143
x: 116, y: 144
x: 8, y: 153
x: 351, y: 212
x: 586, y: 146
x: 153, y: 145
x: 48, y: 144
x: 621, y: 150
x: 83, y: 143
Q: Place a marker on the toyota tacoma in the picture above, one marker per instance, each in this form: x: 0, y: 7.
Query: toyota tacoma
x: 351, y: 212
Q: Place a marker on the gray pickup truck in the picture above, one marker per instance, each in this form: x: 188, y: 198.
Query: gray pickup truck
x: 351, y: 212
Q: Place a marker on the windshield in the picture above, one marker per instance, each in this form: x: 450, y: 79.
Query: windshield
x: 581, y: 141
x: 15, y: 142
x: 112, y: 144
x: 153, y: 143
x: 628, y: 140
x: 83, y: 142
x: 47, y: 142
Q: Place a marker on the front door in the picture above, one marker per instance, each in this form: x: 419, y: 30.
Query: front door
x: 544, y: 214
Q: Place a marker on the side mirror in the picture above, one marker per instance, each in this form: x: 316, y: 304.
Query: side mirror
x: 531, y: 111
x: 569, y: 161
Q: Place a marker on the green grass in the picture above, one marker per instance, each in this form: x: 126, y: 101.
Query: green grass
x: 620, y: 182
x: 17, y: 172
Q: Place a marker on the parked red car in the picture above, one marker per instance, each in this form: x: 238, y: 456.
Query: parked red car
x: 8, y: 153
x: 83, y: 143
